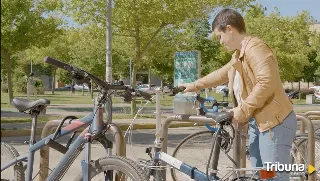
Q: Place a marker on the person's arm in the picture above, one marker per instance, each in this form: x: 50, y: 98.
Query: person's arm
x: 265, y: 69
x: 213, y: 79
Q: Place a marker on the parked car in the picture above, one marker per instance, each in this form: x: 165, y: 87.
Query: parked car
x: 316, y: 88
x: 145, y: 88
x: 293, y: 95
x: 165, y: 89
x: 221, y: 88
x: 79, y: 87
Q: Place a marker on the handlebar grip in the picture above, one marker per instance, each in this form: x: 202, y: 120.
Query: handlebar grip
x: 144, y: 94
x: 176, y: 90
x: 56, y: 63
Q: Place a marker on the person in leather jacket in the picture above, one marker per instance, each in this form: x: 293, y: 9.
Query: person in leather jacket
x: 256, y: 92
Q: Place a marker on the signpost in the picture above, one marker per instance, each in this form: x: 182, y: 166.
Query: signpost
x: 186, y: 67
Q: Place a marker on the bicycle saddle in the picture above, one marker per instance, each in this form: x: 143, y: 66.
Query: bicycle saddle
x: 24, y: 104
x: 220, y: 117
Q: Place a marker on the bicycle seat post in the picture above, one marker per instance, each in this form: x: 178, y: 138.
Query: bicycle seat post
x: 34, y: 117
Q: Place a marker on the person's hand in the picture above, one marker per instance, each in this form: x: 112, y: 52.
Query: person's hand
x: 234, y: 120
x: 189, y: 87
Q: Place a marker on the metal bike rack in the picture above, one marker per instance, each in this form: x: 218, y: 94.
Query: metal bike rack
x: 51, y: 125
x: 307, y: 114
x: 192, y: 119
x: 311, y: 142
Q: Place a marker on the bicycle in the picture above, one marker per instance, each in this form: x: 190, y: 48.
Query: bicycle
x: 159, y: 159
x: 203, y: 139
x: 112, y: 167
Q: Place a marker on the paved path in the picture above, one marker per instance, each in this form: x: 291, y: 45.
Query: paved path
x: 141, y: 139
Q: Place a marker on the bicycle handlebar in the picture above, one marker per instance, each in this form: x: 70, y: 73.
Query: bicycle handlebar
x: 84, y: 77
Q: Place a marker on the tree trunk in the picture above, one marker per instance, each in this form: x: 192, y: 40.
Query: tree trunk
x: 53, y: 81
x: 299, y: 90
x: 149, y: 77
x: 133, y: 102
x: 136, y: 60
x: 72, y: 88
x: 291, y: 85
x: 91, y: 89
x: 82, y: 89
x: 308, y: 84
x: 6, y: 56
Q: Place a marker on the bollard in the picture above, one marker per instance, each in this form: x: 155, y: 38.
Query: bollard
x: 307, y: 114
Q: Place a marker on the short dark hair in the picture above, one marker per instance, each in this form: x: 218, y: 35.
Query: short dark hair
x: 229, y: 17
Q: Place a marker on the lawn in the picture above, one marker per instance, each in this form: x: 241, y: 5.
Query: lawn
x: 65, y: 97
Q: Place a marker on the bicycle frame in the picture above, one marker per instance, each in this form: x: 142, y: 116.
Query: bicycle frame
x: 75, y: 148
x: 193, y: 172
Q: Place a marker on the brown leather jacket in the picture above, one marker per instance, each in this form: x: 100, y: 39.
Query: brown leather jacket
x: 261, y: 89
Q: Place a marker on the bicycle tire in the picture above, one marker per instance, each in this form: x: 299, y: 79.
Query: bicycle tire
x: 119, y: 163
x: 10, y: 152
x: 244, y: 178
x: 302, y: 143
x: 206, y: 138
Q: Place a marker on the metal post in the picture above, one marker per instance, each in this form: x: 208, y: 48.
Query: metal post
x: 109, y: 42
x: 307, y: 114
x: 130, y: 64
x: 158, y: 117
x: 164, y: 132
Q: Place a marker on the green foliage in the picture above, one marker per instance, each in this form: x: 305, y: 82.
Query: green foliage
x: 287, y: 36
x: 4, y: 86
x: 24, y: 23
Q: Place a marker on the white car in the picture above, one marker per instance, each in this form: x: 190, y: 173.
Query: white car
x: 145, y: 88
x: 221, y: 88
x: 316, y: 88
x: 164, y: 90
x: 79, y: 87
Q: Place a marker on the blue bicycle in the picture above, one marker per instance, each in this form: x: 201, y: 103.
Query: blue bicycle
x: 188, y: 149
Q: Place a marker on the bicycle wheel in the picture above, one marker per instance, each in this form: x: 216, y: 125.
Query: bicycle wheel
x: 244, y: 178
x: 195, y: 150
x: 15, y: 172
x: 123, y: 169
x: 300, y: 154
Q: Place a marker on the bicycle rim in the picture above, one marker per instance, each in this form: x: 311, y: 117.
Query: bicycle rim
x: 121, y: 169
x: 300, y: 153
x: 14, y: 172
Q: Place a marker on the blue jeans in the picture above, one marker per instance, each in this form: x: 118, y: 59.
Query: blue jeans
x: 273, y: 145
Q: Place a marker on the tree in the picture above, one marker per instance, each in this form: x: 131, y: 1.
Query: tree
x: 81, y: 47
x: 287, y: 36
x: 142, y: 21
x: 23, y: 25
x: 194, y: 35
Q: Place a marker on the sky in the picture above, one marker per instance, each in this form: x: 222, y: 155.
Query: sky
x: 292, y: 7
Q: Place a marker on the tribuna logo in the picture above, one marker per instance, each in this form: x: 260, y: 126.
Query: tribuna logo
x: 278, y: 167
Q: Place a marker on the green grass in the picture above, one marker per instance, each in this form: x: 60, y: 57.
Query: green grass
x: 60, y: 97
x: 65, y: 97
